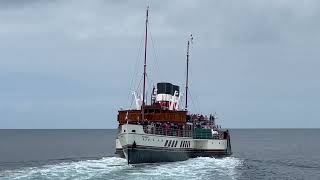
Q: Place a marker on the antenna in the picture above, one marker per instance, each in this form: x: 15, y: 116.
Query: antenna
x: 187, y: 78
x: 145, y: 64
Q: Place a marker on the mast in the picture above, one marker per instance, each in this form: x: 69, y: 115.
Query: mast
x: 145, y: 64
x: 187, y: 78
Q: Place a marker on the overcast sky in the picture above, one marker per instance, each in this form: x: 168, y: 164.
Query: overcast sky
x: 73, y: 63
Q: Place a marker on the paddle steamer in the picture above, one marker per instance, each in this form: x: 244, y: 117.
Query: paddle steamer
x: 163, y: 131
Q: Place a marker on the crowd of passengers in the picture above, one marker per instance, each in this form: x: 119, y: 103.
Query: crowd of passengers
x: 200, y: 117
x: 165, y: 127
x: 203, y: 122
x: 184, y: 129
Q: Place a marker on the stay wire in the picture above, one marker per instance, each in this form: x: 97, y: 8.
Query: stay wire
x: 135, y: 72
x: 137, y: 90
x: 193, y: 103
x: 155, y: 54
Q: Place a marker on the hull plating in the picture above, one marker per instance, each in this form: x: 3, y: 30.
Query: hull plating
x: 140, y: 154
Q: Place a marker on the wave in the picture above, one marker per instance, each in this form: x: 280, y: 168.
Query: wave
x: 297, y: 163
x: 117, y: 168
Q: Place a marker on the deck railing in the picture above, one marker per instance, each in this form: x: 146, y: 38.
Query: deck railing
x: 167, y: 131
x: 148, y: 129
x: 180, y: 133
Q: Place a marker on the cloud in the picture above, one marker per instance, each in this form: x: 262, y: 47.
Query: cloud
x: 248, y: 56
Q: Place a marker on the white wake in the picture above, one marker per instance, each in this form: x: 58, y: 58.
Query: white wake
x: 117, y: 168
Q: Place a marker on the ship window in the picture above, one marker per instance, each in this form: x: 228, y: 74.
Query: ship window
x: 166, y: 143
x: 169, y: 143
x: 124, y: 130
x: 134, y: 130
x: 175, y: 145
x: 182, y: 143
x: 172, y: 143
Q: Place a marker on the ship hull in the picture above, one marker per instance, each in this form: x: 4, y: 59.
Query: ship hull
x: 137, y: 155
x: 120, y: 153
x: 139, y: 147
x: 119, y: 150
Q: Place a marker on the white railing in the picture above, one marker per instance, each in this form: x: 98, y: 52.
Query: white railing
x: 167, y: 131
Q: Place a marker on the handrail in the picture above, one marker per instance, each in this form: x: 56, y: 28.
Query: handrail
x: 167, y: 131
x: 148, y: 129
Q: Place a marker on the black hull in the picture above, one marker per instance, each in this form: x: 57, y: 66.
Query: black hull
x: 120, y: 153
x: 139, y: 154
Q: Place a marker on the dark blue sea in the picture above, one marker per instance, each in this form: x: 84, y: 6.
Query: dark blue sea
x: 89, y: 154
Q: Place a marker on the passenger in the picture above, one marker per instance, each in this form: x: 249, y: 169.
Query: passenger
x: 149, y: 128
x: 152, y: 128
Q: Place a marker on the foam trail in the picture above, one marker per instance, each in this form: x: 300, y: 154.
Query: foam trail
x: 198, y: 168
x: 117, y: 168
x: 87, y: 169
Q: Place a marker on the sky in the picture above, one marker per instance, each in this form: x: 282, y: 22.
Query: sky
x: 74, y: 63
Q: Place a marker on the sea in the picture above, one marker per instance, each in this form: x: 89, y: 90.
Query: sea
x: 89, y: 154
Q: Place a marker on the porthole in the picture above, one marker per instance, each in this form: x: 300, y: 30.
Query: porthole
x: 133, y: 131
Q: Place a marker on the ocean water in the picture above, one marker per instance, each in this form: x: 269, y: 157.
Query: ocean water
x: 89, y: 154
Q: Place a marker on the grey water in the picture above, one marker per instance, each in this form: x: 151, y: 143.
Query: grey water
x: 89, y: 154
